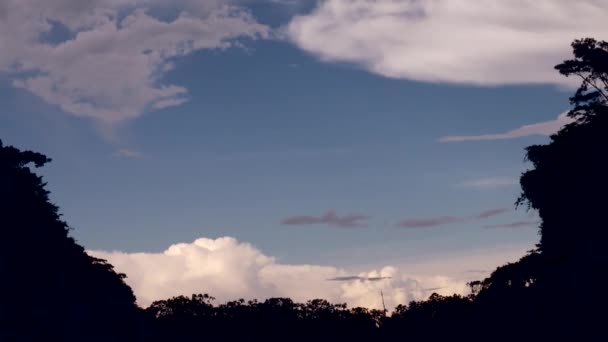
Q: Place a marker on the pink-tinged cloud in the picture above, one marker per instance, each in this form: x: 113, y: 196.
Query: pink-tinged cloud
x: 351, y: 278
x: 540, y: 128
x: 519, y: 224
x: 128, y: 153
x: 489, y: 183
x: 430, y: 222
x: 330, y: 218
x: 493, y: 212
x: 445, y: 220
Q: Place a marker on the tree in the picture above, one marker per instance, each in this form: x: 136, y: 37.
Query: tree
x: 569, y: 180
x: 551, y: 293
x: 52, y: 289
x: 436, y: 319
x: 568, y: 185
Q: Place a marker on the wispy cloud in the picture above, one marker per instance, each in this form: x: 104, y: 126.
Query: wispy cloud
x: 519, y: 224
x: 128, y: 153
x: 431, y: 222
x: 351, y: 278
x: 445, y: 220
x: 489, y: 183
x: 541, y: 128
x: 330, y: 218
x: 478, y: 271
x: 493, y: 212
x: 433, y: 288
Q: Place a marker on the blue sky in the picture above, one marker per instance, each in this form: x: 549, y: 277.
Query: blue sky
x: 282, y: 125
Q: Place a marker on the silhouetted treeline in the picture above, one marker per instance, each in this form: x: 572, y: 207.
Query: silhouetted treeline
x: 53, y: 291
x: 276, y: 319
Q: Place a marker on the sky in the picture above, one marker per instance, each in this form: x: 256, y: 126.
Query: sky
x: 301, y: 148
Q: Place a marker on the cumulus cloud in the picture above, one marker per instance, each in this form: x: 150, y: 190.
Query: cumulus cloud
x: 541, y: 128
x: 229, y: 269
x: 488, y: 42
x: 111, y: 65
x: 445, y: 220
x: 489, y: 183
x: 330, y: 218
x: 518, y: 224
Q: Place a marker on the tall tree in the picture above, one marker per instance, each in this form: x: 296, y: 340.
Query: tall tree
x: 51, y: 288
x: 569, y: 180
x: 568, y: 185
x: 552, y: 292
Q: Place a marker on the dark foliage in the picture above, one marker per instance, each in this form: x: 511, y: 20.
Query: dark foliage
x: 437, y: 318
x: 568, y: 183
x: 275, y: 319
x: 568, y: 187
x: 54, y: 291
x: 51, y: 288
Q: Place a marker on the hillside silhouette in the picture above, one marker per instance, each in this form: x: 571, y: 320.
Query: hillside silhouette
x: 54, y: 291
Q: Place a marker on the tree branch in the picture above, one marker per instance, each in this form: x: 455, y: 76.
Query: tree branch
x: 598, y: 89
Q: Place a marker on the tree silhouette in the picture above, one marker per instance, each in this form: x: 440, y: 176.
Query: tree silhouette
x: 435, y: 319
x: 52, y: 289
x: 568, y: 183
x: 275, y: 319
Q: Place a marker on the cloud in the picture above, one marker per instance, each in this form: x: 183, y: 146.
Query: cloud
x: 542, y: 128
x: 111, y: 65
x: 478, y: 271
x: 519, y: 224
x: 489, y: 183
x: 489, y: 42
x: 128, y: 153
x: 492, y: 212
x: 445, y: 220
x: 434, y: 289
x: 431, y: 222
x: 349, y: 278
x: 229, y: 269
x: 330, y: 218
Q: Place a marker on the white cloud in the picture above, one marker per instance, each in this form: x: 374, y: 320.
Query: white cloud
x: 485, y: 42
x: 489, y: 183
x: 229, y: 269
x: 112, y: 67
x: 541, y: 128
